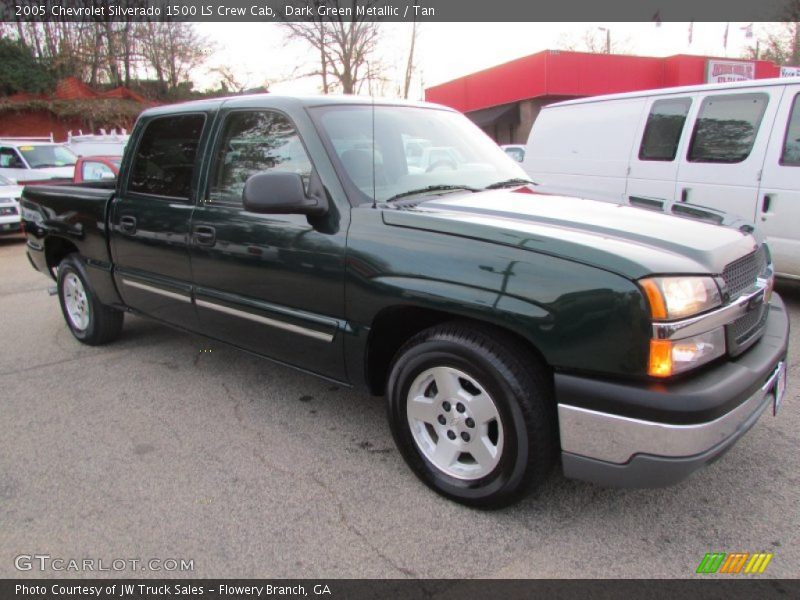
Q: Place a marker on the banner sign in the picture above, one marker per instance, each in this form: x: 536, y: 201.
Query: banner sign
x: 725, y: 71
x: 790, y: 71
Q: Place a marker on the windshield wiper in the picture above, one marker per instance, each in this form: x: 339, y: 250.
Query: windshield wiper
x: 432, y: 188
x: 509, y: 183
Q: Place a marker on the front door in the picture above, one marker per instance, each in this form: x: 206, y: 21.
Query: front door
x: 272, y: 284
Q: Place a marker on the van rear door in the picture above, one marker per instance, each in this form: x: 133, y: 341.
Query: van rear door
x: 779, y: 197
x: 722, y: 164
x: 661, y: 139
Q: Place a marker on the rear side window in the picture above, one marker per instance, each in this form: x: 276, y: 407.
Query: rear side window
x: 726, y: 128
x: 663, y: 130
x: 165, y: 157
x: 791, y: 145
x: 255, y: 142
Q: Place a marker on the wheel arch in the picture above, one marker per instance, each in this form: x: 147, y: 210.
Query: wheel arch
x: 393, y: 326
x: 55, y: 250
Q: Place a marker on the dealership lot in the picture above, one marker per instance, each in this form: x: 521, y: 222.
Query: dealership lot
x: 165, y: 446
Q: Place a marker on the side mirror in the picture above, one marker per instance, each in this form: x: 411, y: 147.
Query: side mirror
x: 280, y: 193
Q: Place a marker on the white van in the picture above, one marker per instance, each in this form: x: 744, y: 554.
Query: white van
x: 732, y: 147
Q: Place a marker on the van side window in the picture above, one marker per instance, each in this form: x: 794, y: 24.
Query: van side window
x: 164, y: 161
x: 791, y: 145
x: 255, y: 142
x: 726, y: 128
x: 663, y: 130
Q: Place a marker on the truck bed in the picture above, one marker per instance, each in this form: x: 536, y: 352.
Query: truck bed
x: 76, y: 213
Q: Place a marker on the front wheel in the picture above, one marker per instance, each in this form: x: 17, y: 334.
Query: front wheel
x: 90, y: 321
x: 472, y: 412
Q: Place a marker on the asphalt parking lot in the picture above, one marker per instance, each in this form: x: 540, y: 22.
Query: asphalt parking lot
x: 164, y: 446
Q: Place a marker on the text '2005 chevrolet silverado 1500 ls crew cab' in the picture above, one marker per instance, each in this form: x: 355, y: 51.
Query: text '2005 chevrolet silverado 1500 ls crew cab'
x: 506, y: 329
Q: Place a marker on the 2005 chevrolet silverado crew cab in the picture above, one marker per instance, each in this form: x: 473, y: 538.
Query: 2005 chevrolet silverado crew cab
x: 504, y: 328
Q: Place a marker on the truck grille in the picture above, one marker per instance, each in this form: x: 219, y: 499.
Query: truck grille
x: 741, y: 274
x: 740, y: 277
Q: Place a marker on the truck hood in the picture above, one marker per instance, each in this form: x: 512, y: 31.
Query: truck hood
x: 632, y: 242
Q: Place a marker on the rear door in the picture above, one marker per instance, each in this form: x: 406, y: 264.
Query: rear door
x: 779, y: 197
x: 272, y: 284
x: 722, y: 164
x: 654, y: 158
x: 151, y: 216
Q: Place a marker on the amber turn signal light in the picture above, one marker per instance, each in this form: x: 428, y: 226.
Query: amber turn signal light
x: 660, y: 358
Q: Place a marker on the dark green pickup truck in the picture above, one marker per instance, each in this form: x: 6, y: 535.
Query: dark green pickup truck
x: 394, y: 246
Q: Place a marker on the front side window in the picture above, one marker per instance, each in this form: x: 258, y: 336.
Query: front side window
x: 165, y: 157
x: 251, y: 143
x: 44, y: 156
x: 791, y: 145
x: 663, y: 130
x: 10, y: 160
x: 726, y: 128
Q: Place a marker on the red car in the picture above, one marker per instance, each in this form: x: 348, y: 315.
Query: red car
x: 96, y: 168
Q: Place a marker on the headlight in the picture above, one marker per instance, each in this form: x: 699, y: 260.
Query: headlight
x: 669, y: 357
x: 678, y: 297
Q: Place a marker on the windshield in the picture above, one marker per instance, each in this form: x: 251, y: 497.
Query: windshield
x: 414, y: 149
x: 40, y: 157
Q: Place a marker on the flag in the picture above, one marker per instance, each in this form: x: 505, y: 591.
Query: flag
x: 748, y: 31
x: 657, y: 18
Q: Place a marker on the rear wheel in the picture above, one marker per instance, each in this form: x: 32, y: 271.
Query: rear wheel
x: 472, y: 412
x: 90, y: 321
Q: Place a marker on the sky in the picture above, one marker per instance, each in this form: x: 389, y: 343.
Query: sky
x: 258, y: 53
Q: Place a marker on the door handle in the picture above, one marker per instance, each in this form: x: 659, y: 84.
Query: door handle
x: 128, y: 224
x: 766, y: 202
x: 205, y: 235
x: 685, y: 195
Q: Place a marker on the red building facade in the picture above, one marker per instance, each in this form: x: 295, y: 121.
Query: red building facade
x: 73, y: 106
x: 505, y: 100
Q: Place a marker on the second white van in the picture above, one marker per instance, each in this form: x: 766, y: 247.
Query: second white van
x: 731, y: 147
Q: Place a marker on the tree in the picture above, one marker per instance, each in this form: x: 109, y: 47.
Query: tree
x: 116, y: 53
x: 21, y: 72
x: 346, y: 49
x: 778, y: 42
x: 410, y: 63
x: 595, y: 41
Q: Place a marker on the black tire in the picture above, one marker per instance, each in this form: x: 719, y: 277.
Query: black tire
x: 104, y: 322
x: 520, y: 387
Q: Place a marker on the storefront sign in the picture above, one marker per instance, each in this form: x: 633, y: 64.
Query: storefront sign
x: 790, y: 71
x: 724, y: 71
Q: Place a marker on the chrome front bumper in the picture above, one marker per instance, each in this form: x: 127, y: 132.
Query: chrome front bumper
x: 615, y: 439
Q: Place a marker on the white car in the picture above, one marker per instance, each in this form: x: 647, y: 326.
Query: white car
x: 31, y: 159
x: 9, y: 206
